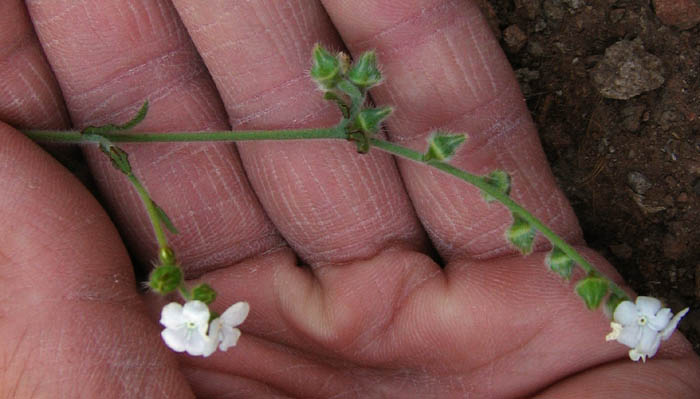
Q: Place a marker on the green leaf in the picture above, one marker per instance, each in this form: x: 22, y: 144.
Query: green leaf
x: 521, y: 234
x: 204, y: 293
x: 110, y: 127
x: 364, y: 72
x: 325, y: 69
x: 119, y: 157
x: 498, y: 179
x: 369, y: 120
x: 560, y: 263
x: 165, y: 220
x: 165, y: 279
x: 442, y: 147
x: 592, y: 289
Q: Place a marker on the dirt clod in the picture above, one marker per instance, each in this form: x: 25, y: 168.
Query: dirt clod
x: 627, y: 70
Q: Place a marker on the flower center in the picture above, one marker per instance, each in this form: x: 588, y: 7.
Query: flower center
x: 191, y: 325
x: 642, y: 320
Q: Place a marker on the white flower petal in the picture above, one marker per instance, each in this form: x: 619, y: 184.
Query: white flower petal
x: 171, y: 315
x: 615, y: 333
x: 671, y: 327
x: 647, y: 305
x: 660, y: 320
x: 649, y: 342
x: 636, y: 355
x: 626, y: 313
x: 197, y: 312
x: 630, y: 335
x: 230, y: 339
x: 197, y: 344
x: 174, y: 339
x: 235, y: 314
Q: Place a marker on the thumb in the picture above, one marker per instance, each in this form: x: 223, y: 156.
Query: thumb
x: 71, y: 320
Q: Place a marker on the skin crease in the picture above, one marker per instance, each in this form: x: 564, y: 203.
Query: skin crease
x: 373, y: 315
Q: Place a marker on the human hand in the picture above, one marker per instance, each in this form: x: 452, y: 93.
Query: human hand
x: 373, y: 315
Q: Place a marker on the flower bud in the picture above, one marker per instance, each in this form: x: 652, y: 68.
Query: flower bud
x: 165, y: 279
x: 204, y: 293
x: 364, y: 72
x: 325, y: 69
x: 369, y: 120
x: 592, y: 289
x: 442, y: 147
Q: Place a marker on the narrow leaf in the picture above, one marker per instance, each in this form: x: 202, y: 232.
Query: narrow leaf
x: 442, y: 147
x: 165, y: 219
x: 521, y: 234
x: 498, y: 179
x: 560, y: 263
x: 592, y: 289
x: 111, y: 127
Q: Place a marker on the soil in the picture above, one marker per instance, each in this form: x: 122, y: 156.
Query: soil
x: 631, y: 168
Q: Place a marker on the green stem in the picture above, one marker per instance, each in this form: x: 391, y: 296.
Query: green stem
x: 513, y: 206
x: 151, y: 209
x: 73, y: 136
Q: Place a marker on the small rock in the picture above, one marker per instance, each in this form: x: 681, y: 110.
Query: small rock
x: 627, y: 70
x: 553, y: 10
x: 638, y: 183
x: 622, y: 251
x: 683, y: 14
x: 574, y: 4
x: 535, y: 48
x: 515, y: 38
x: 682, y: 197
x: 668, y: 118
x: 524, y: 77
x: 631, y: 117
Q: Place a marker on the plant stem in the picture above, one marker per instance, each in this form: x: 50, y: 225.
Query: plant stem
x: 151, y: 209
x: 74, y: 136
x: 513, y: 206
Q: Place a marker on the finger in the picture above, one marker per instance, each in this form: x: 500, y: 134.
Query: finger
x: 71, y: 322
x: 444, y: 70
x: 130, y: 51
x: 330, y: 204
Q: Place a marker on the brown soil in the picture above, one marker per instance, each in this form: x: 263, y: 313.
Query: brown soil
x: 631, y: 168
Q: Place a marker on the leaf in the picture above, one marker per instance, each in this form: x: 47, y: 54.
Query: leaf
x: 364, y: 73
x: 500, y: 180
x: 165, y: 219
x: 325, y: 69
x: 560, y: 263
x: 110, y: 127
x: 592, y: 289
x: 442, y: 147
x: 521, y: 234
x: 369, y: 120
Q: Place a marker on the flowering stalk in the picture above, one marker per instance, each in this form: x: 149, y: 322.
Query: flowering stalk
x: 347, y: 86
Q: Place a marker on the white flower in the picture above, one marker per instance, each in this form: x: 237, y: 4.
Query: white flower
x: 222, y: 329
x: 642, y: 326
x: 186, y: 327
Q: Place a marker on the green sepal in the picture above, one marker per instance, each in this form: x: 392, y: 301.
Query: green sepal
x: 612, y: 302
x: 111, y: 127
x: 442, y: 147
x: 325, y: 69
x: 560, y: 263
x: 119, y: 157
x: 165, y: 279
x: 164, y: 219
x: 521, y: 234
x: 592, y: 289
x: 498, y: 179
x: 364, y: 72
x: 204, y: 293
x: 369, y: 119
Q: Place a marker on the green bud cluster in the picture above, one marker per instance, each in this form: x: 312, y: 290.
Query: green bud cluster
x: 165, y: 279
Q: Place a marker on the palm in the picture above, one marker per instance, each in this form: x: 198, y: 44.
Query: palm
x: 373, y: 315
